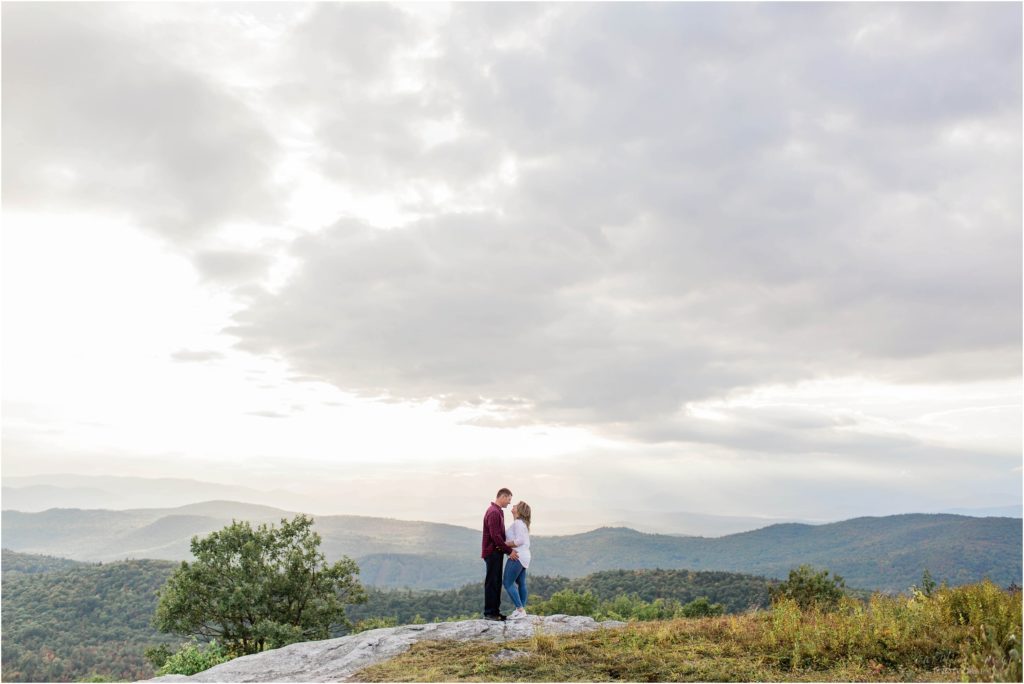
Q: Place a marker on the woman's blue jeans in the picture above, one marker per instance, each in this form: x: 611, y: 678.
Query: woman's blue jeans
x: 515, y: 582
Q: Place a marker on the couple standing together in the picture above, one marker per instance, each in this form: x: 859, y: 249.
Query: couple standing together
x: 499, y: 542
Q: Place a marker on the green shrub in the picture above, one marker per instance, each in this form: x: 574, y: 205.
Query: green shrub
x: 659, y: 609
x: 981, y: 603
x: 158, y: 655
x: 568, y: 602
x: 810, y: 587
x: 192, y: 658
x: 632, y: 607
x: 625, y: 607
x: 622, y: 607
x: 701, y: 607
x: 974, y: 627
x: 992, y: 650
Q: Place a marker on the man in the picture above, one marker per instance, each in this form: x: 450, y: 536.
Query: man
x: 494, y: 551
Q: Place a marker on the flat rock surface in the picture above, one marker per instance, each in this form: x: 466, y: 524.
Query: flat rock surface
x: 335, y: 660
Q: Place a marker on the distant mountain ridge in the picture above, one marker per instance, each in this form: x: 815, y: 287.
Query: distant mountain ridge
x: 988, y: 512
x: 887, y: 553
x: 37, y: 493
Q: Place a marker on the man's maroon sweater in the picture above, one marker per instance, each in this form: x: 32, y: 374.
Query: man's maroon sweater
x: 494, y: 532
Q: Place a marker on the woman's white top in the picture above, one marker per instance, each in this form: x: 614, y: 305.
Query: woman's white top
x: 518, y: 533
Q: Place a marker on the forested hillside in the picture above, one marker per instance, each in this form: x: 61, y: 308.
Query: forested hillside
x: 30, y: 564
x: 90, y: 619
x: 887, y: 553
x: 68, y: 624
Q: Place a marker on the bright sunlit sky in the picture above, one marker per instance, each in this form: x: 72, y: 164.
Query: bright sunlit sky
x: 735, y: 259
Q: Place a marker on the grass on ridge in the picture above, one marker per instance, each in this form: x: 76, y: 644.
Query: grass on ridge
x: 965, y: 634
x: 675, y: 651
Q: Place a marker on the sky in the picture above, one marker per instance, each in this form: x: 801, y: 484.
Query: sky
x: 734, y: 259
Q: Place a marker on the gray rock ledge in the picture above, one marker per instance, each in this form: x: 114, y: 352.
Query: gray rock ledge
x: 335, y: 660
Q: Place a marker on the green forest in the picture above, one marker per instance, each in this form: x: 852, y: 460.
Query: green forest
x: 66, y: 621
x: 64, y: 625
x: 734, y: 591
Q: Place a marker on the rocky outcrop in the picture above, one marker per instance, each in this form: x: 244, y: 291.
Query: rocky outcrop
x: 335, y: 660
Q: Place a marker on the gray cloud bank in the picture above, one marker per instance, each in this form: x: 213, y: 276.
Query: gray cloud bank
x: 97, y: 116
x: 618, y: 208
x: 707, y: 198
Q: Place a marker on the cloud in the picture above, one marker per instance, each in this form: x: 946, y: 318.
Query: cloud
x: 97, y: 117
x: 189, y: 355
x: 613, y: 211
x: 231, y: 265
x: 770, y: 431
x: 690, y: 215
x: 268, y: 414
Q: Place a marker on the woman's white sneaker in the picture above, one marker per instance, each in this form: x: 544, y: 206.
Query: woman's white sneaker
x: 517, y: 614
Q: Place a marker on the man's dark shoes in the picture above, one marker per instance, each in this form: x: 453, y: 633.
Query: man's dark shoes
x: 497, y: 618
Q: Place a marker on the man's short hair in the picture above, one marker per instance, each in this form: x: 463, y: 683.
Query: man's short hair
x: 502, y: 492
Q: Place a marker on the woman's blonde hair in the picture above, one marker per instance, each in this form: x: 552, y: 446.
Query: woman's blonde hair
x: 523, y: 509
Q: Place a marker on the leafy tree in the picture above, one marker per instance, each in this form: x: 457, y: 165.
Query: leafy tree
x: 252, y: 589
x: 927, y: 586
x: 701, y: 607
x: 809, y: 587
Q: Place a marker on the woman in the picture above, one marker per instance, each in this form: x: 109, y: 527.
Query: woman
x: 518, y: 537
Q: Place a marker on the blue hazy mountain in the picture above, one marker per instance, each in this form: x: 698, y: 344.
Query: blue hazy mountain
x: 887, y: 553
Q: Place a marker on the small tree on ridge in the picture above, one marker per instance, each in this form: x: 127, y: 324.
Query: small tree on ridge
x: 809, y: 587
x: 252, y: 589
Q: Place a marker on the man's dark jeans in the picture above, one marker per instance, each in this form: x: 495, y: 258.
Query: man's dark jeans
x: 492, y: 583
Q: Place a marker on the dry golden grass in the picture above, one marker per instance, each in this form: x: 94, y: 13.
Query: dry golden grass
x: 887, y: 639
x: 711, y: 649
